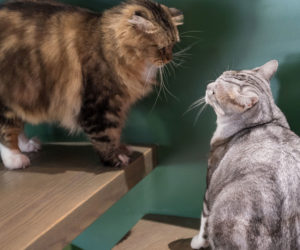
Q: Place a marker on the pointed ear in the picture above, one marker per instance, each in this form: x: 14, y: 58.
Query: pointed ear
x: 243, y: 102
x: 177, y: 16
x: 250, y: 102
x: 268, y: 69
x: 142, y: 24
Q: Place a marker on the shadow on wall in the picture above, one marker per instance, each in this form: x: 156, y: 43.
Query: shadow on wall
x: 289, y: 94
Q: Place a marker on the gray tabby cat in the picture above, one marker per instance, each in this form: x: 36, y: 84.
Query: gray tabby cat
x: 253, y: 181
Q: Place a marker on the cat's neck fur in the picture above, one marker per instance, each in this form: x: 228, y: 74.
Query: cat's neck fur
x: 230, y: 125
x: 130, y: 65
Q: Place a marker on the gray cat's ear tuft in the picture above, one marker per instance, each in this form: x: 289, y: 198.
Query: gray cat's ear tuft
x: 143, y: 24
x: 177, y: 16
x: 268, y: 69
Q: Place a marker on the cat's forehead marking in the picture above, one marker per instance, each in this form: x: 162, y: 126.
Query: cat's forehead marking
x: 158, y: 13
x: 162, y: 18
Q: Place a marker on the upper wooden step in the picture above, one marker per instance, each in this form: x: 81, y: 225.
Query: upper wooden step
x: 64, y: 190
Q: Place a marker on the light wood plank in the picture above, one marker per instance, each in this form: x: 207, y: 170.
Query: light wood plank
x: 160, y: 232
x: 64, y: 190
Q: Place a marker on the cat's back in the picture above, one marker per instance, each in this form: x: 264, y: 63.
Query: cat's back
x: 37, y: 18
x: 254, y: 193
x: 270, y: 154
x: 271, y: 146
x: 40, y: 8
x: 42, y: 47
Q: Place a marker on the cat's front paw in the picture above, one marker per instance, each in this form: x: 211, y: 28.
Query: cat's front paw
x: 124, y: 159
x: 199, y: 242
x: 13, y: 159
x: 28, y: 146
x: 117, y: 158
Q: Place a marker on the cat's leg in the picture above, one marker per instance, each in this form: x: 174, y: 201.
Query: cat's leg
x: 109, y: 148
x: 10, y: 153
x: 201, y: 240
x: 28, y: 145
x: 104, y: 127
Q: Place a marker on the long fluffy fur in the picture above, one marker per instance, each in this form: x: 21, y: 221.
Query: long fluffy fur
x: 82, y: 69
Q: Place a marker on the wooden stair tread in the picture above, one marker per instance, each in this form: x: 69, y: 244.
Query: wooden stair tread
x: 64, y: 190
x: 160, y: 232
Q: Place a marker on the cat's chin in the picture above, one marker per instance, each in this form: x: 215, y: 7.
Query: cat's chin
x: 150, y: 73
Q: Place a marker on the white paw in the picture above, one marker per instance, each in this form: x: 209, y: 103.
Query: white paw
x: 27, y: 146
x: 124, y: 159
x: 13, y: 159
x: 198, y: 242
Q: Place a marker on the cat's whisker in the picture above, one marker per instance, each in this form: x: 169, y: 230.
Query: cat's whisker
x: 169, y: 92
x: 179, y: 57
x: 182, y: 56
x: 191, y: 31
x: 163, y: 82
x: 167, y: 70
x: 171, y: 67
x: 195, y: 104
x: 186, y: 49
x: 191, y: 37
x: 176, y: 64
x: 199, y: 113
x: 200, y: 101
x: 179, y: 62
x: 147, y: 78
x: 181, y: 53
x: 159, y: 91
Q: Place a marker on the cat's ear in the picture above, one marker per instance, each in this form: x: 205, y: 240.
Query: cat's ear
x: 177, y: 16
x: 250, y: 101
x: 142, y: 23
x: 243, y: 101
x: 268, y: 69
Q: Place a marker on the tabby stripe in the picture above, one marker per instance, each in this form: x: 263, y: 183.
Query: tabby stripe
x: 100, y: 127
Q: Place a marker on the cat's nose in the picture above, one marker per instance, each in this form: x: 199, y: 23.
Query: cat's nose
x: 210, y: 92
x: 210, y: 89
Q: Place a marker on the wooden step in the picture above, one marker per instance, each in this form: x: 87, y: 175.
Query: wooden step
x: 64, y: 190
x: 160, y: 232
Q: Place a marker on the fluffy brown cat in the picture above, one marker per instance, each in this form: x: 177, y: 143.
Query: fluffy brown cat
x: 82, y: 69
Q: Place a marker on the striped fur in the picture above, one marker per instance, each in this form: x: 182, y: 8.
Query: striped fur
x: 78, y: 68
x: 252, y: 199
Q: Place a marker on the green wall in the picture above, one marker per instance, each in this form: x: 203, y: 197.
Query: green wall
x: 233, y: 34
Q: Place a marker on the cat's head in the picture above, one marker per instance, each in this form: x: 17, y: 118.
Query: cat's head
x: 150, y: 30
x: 238, y: 92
